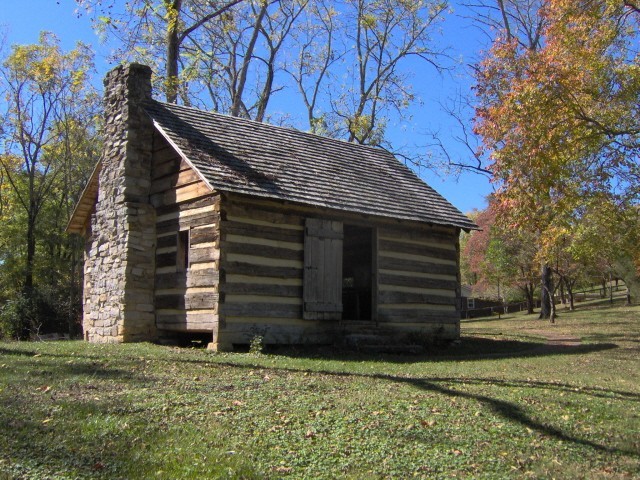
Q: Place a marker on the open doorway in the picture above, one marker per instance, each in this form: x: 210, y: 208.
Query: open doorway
x: 357, y: 273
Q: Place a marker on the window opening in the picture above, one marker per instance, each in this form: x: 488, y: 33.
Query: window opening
x: 183, y: 250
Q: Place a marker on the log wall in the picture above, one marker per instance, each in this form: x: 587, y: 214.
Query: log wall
x: 261, y: 275
x: 418, y: 280
x: 186, y: 295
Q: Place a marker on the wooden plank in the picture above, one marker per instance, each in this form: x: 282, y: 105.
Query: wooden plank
x: 183, y: 177
x: 354, y: 218
x: 186, y: 221
x: 206, y: 234
x: 269, y: 310
x: 320, y: 228
x: 244, y: 268
x: 189, y: 301
x: 269, y: 216
x: 190, y: 322
x: 162, y: 150
x: 180, y: 194
x: 417, y: 282
x: 262, y: 289
x: 263, y: 251
x: 414, y: 249
x: 207, y: 277
x: 397, y: 315
x: 213, y: 200
x: 203, y: 255
x: 243, y: 239
x: 262, y: 261
x: 390, y: 263
x: 421, y: 298
x: 201, y: 301
x: 322, y: 268
x: 262, y: 231
x: 202, y: 277
x: 169, y: 166
x: 443, y: 235
x: 307, y: 333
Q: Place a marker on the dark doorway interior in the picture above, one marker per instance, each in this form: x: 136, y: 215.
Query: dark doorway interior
x: 357, y: 276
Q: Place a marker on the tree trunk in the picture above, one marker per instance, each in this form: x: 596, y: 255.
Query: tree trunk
x: 173, y: 48
x: 31, y: 252
x: 570, y: 285
x: 236, y: 100
x: 546, y: 292
x: 529, y: 291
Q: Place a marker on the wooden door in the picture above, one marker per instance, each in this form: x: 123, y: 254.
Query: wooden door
x: 323, y: 269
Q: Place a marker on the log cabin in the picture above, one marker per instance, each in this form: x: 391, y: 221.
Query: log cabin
x: 201, y: 223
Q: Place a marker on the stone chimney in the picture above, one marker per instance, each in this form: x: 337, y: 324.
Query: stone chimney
x: 121, y: 239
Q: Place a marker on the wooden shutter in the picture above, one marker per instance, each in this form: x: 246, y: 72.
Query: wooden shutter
x: 323, y: 269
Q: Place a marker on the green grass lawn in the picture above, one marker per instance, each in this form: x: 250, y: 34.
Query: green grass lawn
x: 499, y: 405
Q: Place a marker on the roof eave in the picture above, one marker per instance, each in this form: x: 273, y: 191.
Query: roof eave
x: 85, y: 204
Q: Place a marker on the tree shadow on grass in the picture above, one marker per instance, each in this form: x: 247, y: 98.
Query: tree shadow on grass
x: 119, y: 449
x: 512, y: 412
x: 469, y: 349
x: 509, y: 411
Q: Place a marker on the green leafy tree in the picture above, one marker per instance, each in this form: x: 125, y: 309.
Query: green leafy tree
x: 48, y: 112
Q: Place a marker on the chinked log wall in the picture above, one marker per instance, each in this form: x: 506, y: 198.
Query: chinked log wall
x: 418, y: 284
x: 262, y: 261
x: 262, y: 258
x: 186, y: 297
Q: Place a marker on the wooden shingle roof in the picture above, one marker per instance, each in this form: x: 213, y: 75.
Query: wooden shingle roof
x: 243, y: 156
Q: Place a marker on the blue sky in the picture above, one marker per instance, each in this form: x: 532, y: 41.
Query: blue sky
x: 23, y: 20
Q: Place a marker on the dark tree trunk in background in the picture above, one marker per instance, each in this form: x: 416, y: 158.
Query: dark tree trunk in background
x: 546, y: 293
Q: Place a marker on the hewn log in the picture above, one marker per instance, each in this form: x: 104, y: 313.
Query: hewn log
x: 262, y: 289
x: 271, y: 216
x: 421, y: 250
x: 206, y: 234
x: 243, y: 268
x: 203, y: 255
x: 180, y: 194
x: 408, y: 315
x: 264, y: 251
x: 442, y: 235
x: 417, y: 282
x: 388, y: 297
x: 189, y: 301
x: 262, y: 231
x: 181, y: 178
x: 185, y: 221
x: 269, y: 310
x: 390, y: 263
x: 213, y: 199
